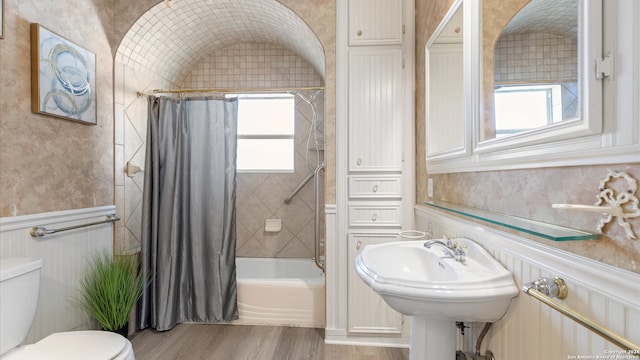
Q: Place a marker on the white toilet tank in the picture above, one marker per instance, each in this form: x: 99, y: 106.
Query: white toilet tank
x: 19, y: 291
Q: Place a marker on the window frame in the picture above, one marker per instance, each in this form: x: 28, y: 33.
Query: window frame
x: 263, y: 136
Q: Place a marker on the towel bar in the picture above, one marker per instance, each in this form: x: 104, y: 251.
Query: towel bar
x: 542, y: 293
x: 40, y: 231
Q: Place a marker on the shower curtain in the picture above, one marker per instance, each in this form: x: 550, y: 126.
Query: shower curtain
x: 188, y: 216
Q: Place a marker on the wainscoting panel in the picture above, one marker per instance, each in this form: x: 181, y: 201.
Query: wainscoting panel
x: 64, y: 255
x: 531, y: 330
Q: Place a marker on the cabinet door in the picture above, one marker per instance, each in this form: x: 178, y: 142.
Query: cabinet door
x: 375, y: 109
x: 375, y: 22
x: 367, y: 312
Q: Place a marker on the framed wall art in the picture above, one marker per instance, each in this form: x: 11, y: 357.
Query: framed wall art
x: 63, y: 77
x: 1, y: 19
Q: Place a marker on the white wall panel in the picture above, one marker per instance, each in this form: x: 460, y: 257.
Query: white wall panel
x: 532, y: 330
x: 64, y: 257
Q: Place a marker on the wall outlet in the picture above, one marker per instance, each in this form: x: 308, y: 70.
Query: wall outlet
x: 430, y: 187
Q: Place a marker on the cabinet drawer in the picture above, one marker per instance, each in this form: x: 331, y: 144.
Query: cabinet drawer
x: 374, y: 215
x: 375, y: 187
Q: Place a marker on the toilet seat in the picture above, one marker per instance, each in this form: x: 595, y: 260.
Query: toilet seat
x: 76, y: 345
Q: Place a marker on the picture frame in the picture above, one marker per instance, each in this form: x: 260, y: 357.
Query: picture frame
x: 63, y: 77
x: 1, y: 19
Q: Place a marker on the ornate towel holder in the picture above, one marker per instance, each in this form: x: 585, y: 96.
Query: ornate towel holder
x: 622, y: 205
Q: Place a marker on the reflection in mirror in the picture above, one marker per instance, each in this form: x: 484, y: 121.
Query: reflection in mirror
x: 535, y: 69
x: 445, y: 87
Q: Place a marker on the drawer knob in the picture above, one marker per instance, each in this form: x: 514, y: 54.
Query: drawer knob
x: 358, y: 245
x: 375, y: 188
x: 359, y: 162
x: 359, y: 33
x: 374, y: 217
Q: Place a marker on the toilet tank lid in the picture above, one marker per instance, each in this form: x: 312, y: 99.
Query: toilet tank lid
x: 12, y: 267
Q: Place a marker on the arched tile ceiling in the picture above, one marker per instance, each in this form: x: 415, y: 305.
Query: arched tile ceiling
x: 172, y: 40
x: 558, y: 17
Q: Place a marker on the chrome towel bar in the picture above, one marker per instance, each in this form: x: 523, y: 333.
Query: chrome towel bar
x: 40, y: 231
x: 543, y: 288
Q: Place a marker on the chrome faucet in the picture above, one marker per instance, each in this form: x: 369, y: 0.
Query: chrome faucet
x: 451, y: 249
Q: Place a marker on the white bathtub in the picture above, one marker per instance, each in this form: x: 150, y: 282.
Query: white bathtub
x: 280, y: 292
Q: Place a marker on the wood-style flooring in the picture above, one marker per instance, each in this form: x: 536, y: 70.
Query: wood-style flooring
x: 242, y: 342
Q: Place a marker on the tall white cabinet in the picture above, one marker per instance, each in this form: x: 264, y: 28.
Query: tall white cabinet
x: 375, y: 161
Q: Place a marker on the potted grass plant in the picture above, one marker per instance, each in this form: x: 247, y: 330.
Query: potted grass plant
x: 110, y: 289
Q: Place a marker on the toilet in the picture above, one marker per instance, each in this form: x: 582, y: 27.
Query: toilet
x: 19, y: 291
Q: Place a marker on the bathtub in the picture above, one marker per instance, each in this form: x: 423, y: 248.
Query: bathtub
x: 280, y: 292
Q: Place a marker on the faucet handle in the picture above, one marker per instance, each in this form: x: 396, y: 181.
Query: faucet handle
x: 459, y: 253
x: 450, y: 244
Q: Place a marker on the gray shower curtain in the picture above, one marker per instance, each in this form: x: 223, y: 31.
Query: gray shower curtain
x: 188, y: 216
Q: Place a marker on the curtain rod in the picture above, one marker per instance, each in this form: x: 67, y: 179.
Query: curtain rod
x: 235, y: 91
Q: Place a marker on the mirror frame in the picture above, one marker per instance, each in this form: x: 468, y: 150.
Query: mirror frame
x: 465, y: 148
x: 590, y: 119
x: 577, y: 142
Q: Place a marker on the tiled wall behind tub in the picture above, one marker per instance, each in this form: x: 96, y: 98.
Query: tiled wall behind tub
x: 261, y: 196
x: 253, y: 65
x: 536, y: 56
x: 129, y: 145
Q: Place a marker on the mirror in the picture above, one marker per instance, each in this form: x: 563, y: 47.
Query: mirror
x: 444, y: 69
x: 567, y: 126
x: 533, y: 78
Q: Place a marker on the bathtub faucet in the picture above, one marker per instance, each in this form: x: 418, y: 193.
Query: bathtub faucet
x: 452, y: 250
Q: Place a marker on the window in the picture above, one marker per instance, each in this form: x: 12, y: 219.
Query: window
x: 523, y: 107
x: 265, y: 133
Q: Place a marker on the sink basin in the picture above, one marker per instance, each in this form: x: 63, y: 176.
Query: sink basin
x: 415, y: 280
x: 436, y: 290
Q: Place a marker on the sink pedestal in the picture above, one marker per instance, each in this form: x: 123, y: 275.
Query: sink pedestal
x: 432, y: 339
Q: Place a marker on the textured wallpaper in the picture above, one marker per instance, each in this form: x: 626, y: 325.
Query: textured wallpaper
x: 47, y: 163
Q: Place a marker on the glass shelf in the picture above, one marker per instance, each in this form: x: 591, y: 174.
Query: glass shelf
x: 547, y: 231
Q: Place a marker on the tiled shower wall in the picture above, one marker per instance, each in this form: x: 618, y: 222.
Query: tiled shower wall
x: 259, y: 196
x: 252, y: 65
x: 536, y: 56
x: 129, y: 145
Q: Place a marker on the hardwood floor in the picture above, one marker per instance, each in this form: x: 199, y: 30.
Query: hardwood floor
x: 240, y: 342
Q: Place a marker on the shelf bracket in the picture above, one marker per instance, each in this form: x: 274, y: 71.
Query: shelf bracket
x: 613, y: 201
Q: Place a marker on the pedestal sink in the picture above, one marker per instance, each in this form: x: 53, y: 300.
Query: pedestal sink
x: 437, y: 290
